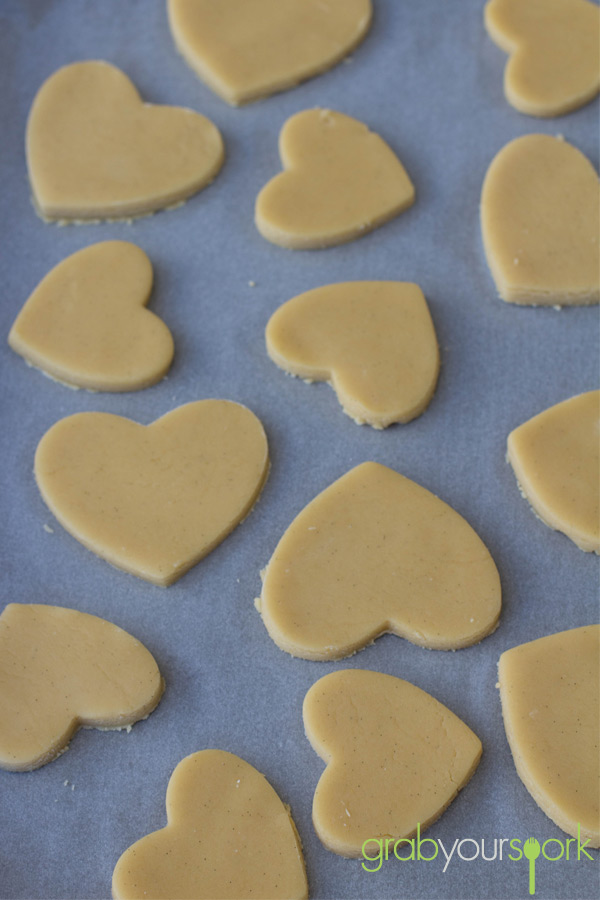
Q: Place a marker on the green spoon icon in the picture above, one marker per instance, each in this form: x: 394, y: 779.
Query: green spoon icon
x: 531, y: 851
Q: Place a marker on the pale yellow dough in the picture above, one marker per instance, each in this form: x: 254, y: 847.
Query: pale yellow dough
x: 340, y: 181
x: 61, y: 670
x: 556, y: 459
x: 96, y: 151
x: 373, y: 341
x: 154, y: 500
x: 554, y: 65
x: 549, y: 690
x: 540, y: 223
x: 396, y: 758
x: 376, y: 553
x: 86, y: 323
x: 246, y: 49
x: 228, y: 836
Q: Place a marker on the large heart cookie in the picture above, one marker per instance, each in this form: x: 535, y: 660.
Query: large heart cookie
x: 96, y: 151
x: 61, y: 670
x: 556, y: 458
x: 373, y: 341
x: 550, y: 703
x: 554, y: 65
x: 540, y: 224
x: 228, y: 836
x: 154, y: 500
x: 340, y: 181
x: 86, y: 323
x: 396, y: 758
x: 246, y: 49
x: 377, y: 553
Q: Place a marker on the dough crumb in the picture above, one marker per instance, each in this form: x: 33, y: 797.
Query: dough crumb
x: 47, y: 529
x: 65, y: 782
x: 251, y: 284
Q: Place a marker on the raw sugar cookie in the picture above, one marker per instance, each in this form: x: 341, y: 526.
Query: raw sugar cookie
x: 246, y: 49
x: 95, y: 150
x: 376, y: 553
x: 228, y: 836
x: 373, y: 341
x: 154, y: 500
x: 86, y: 323
x: 340, y: 181
x: 549, y: 690
x: 61, y: 670
x: 556, y: 459
x: 540, y: 224
x: 396, y: 758
x: 554, y: 63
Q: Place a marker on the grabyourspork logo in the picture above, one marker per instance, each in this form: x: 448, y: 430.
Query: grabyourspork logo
x: 376, y: 851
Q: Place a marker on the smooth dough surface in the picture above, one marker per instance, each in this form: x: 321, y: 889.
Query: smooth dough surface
x: 228, y: 836
x: 373, y: 341
x: 540, y: 223
x: 61, y: 670
x: 154, y: 500
x: 376, y: 553
x: 340, y: 181
x: 549, y: 690
x: 95, y: 150
x: 556, y: 459
x: 554, y: 65
x: 246, y: 49
x: 86, y: 324
x: 396, y: 758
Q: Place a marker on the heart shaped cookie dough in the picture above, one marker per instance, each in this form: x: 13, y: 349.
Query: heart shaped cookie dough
x: 550, y: 703
x: 554, y: 65
x: 539, y: 221
x: 85, y: 324
x: 396, y: 758
x: 96, y: 151
x: 373, y: 341
x: 154, y: 500
x: 246, y: 49
x: 556, y: 458
x: 377, y: 553
x: 340, y: 181
x: 61, y: 670
x: 228, y: 836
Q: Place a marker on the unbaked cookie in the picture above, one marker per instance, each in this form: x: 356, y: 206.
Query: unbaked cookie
x: 549, y: 690
x: 540, y: 223
x: 373, y: 341
x: 554, y: 65
x: 95, y: 150
x: 154, y: 500
x: 376, y: 553
x: 246, y: 49
x: 61, y: 670
x: 396, y: 758
x: 340, y: 181
x: 228, y: 836
x: 556, y: 458
x: 86, y: 323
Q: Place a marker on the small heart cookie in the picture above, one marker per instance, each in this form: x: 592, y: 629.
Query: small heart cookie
x: 228, y: 836
x: 246, y: 49
x: 396, y: 758
x: 540, y: 225
x: 154, y: 500
x: 340, y: 181
x: 556, y: 459
x: 550, y: 703
x: 373, y: 341
x: 377, y: 553
x: 86, y: 323
x: 96, y: 151
x: 554, y: 65
x: 61, y: 670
